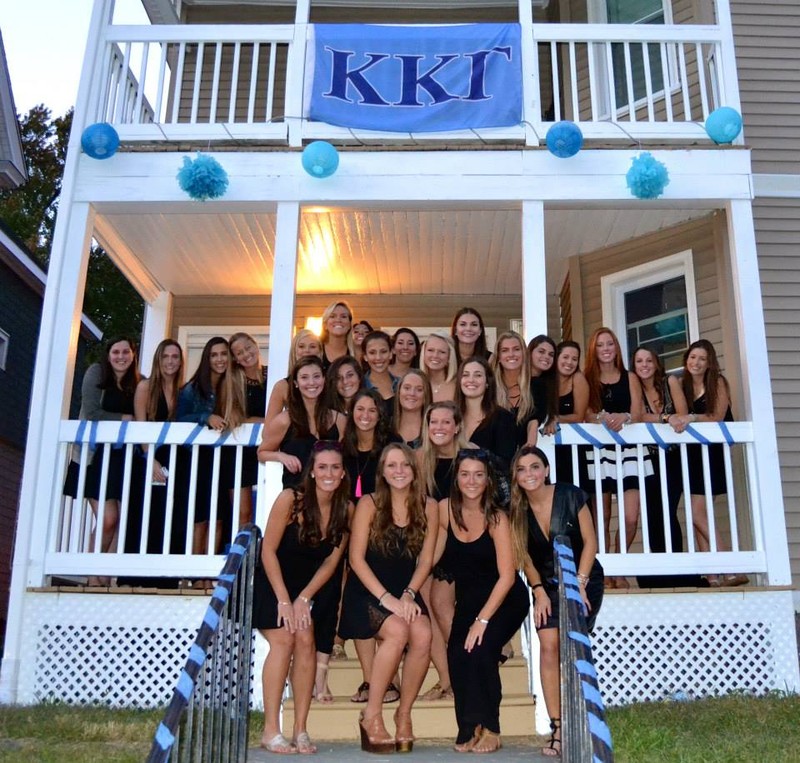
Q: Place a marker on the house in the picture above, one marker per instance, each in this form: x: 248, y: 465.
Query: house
x: 410, y: 227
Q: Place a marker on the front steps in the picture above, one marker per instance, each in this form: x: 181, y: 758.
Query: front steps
x: 432, y: 720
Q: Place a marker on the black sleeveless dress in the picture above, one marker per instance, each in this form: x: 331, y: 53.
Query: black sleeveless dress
x: 616, y: 398
x: 564, y: 471
x: 716, y: 457
x: 362, y: 616
x: 475, y: 675
x: 256, y: 396
x: 301, y: 445
x: 442, y: 483
x: 299, y: 563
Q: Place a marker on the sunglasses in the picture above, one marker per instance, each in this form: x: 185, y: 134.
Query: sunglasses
x: 479, y: 454
x: 323, y: 445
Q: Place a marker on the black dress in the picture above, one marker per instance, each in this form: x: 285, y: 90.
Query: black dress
x: 442, y: 484
x: 301, y: 445
x: 716, y: 457
x: 499, y: 435
x: 564, y: 472
x: 616, y: 398
x: 362, y: 615
x: 475, y: 675
x: 567, y: 502
x: 256, y: 392
x: 299, y: 563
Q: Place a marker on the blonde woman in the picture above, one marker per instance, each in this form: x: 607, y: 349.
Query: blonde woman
x: 337, y: 333
x: 410, y: 403
x: 438, y: 361
x: 512, y: 374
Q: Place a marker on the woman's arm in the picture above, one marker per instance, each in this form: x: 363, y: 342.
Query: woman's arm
x: 580, y: 396
x: 359, y: 540
x: 500, y: 533
x: 589, y: 552
x: 92, y: 397
x: 191, y: 408
x: 541, y: 601
x: 443, y: 513
x: 271, y: 439
x: 140, y: 414
x: 637, y: 400
x: 277, y: 400
x: 273, y: 533
x: 678, y: 398
x: 429, y: 546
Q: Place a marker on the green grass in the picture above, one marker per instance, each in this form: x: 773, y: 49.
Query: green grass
x: 733, y: 729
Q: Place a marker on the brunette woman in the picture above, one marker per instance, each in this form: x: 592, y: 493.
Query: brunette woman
x: 360, y: 330
x: 201, y: 401
x: 304, y: 344
x: 304, y: 541
x: 615, y: 399
x: 708, y: 396
x: 511, y: 366
x: 107, y: 394
x: 412, y: 400
x: 486, y: 424
x: 366, y: 434
x: 290, y: 436
x: 438, y: 361
x: 336, y: 334
x: 491, y: 600
x: 442, y: 438
x: 343, y: 379
x: 377, y: 356
x: 405, y: 351
x: 156, y: 399
x: 542, y: 353
x: 573, y: 399
x: 540, y: 511
x: 469, y: 335
x: 391, y: 552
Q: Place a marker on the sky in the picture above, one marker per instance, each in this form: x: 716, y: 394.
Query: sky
x: 45, y: 42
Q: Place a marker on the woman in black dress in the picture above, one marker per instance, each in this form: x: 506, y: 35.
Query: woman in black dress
x: 405, y: 351
x: 377, y: 357
x: 542, y: 352
x: 468, y: 333
x: 304, y: 541
x: 391, y: 553
x: 491, y: 600
x: 336, y: 334
x: 615, y: 399
x: 342, y: 380
x: 290, y: 436
x: 410, y: 403
x: 305, y: 344
x: 540, y: 511
x: 708, y: 396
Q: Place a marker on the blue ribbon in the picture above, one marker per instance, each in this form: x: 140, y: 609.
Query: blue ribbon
x: 81, y: 430
x: 185, y: 685
x: 221, y: 439
x: 578, y: 636
x: 697, y: 436
x: 162, y: 435
x: 93, y: 435
x: 726, y: 433
x: 197, y: 654
x: 254, y: 435
x: 599, y: 728
x: 585, y: 668
x: 193, y: 434
x: 656, y: 436
x: 591, y: 439
x: 121, y: 436
x: 211, y: 619
x: 164, y: 737
x: 592, y: 693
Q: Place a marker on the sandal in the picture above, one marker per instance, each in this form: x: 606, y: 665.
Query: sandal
x: 304, y: 744
x: 550, y: 751
x: 362, y: 693
x: 404, y: 734
x: 489, y: 741
x: 435, y: 692
x: 392, y: 694
x: 279, y: 745
x: 470, y: 743
x: 374, y: 736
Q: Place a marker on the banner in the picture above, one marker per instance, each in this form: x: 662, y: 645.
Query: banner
x: 417, y: 79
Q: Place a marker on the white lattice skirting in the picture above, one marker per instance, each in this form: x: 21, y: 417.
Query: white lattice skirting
x: 127, y: 650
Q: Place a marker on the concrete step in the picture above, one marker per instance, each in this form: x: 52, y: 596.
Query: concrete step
x: 432, y: 720
x: 344, y: 677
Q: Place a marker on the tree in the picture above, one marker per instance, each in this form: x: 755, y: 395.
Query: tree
x: 30, y: 213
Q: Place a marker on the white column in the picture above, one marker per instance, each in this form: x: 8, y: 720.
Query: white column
x: 156, y: 325
x: 534, y: 282
x: 729, y: 81
x: 756, y: 389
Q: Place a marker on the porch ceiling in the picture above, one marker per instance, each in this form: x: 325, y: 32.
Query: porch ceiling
x: 435, y: 250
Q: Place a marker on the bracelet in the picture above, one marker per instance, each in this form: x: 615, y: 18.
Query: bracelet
x: 284, y: 604
x: 537, y: 585
x: 583, y: 579
x: 481, y: 620
x: 629, y: 419
x: 381, y: 597
x: 305, y: 600
x: 410, y: 591
x: 692, y: 417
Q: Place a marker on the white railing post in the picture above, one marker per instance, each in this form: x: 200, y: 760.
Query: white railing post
x: 756, y: 389
x: 534, y: 291
x: 727, y: 76
x: 531, y: 104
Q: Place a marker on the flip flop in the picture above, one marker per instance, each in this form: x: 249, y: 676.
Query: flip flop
x: 304, y: 744
x: 279, y: 745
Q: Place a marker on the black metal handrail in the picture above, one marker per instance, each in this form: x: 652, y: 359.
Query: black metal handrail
x: 585, y: 736
x: 207, y: 717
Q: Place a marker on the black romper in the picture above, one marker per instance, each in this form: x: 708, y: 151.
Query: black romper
x: 301, y: 446
x: 716, y: 457
x: 475, y: 675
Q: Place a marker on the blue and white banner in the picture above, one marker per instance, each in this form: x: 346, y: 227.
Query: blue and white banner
x: 417, y: 79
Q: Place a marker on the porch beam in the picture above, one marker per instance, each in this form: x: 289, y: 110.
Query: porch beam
x: 757, y: 392
x: 534, y: 281
x: 155, y: 327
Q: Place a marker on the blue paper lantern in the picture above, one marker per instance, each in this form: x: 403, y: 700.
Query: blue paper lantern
x: 100, y: 140
x: 320, y: 159
x: 647, y: 178
x: 564, y: 139
x: 203, y: 178
x: 724, y: 124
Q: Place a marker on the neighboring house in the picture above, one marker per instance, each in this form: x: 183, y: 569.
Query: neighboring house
x: 411, y: 227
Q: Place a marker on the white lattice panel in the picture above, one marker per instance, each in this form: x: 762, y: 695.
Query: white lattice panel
x: 647, y: 647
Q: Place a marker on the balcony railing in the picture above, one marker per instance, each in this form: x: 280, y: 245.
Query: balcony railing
x: 201, y: 83
x: 73, y: 548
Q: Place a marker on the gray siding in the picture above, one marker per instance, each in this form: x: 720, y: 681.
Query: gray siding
x: 777, y: 223
x: 767, y: 38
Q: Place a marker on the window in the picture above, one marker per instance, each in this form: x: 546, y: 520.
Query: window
x: 654, y: 305
x: 3, y: 349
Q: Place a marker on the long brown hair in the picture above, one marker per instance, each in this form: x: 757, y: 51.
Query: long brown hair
x: 711, y: 379
x: 296, y: 407
x: 489, y: 400
x: 306, y: 507
x: 518, y: 513
x: 592, y: 368
x: 156, y: 381
x: 659, y: 375
x: 382, y: 533
x: 381, y: 433
x: 481, y: 350
x: 488, y: 506
x: 130, y: 378
x: 427, y: 394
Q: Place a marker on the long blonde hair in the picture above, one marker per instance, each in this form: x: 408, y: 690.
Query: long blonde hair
x: 323, y: 334
x: 526, y: 405
x: 232, y: 400
x: 427, y: 449
x: 452, y: 363
x: 296, y: 339
x: 156, y: 381
x: 427, y: 395
x: 518, y: 513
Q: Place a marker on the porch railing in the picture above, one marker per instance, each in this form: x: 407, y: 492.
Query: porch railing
x: 73, y: 546
x: 204, y: 82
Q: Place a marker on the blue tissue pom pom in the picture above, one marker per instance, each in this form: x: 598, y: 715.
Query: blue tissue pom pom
x: 647, y: 178
x: 723, y: 125
x: 100, y: 140
x: 564, y: 139
x: 203, y: 177
x: 320, y: 159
